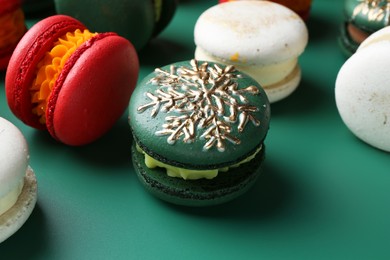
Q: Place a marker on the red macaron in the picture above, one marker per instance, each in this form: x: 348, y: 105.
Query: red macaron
x: 74, y: 83
x: 12, y: 28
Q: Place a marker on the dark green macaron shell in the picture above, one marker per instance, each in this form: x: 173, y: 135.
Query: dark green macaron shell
x: 199, y: 115
x: 369, y: 16
x: 202, y: 192
x: 38, y: 7
x: 137, y: 20
x: 347, y: 45
x: 164, y: 12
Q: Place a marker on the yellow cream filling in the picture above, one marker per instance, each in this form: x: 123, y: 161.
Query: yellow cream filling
x: 49, y: 68
x: 188, y: 174
x: 266, y: 75
x: 9, y: 199
x: 12, y: 28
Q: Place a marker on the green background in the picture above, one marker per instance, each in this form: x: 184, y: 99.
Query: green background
x: 324, y: 194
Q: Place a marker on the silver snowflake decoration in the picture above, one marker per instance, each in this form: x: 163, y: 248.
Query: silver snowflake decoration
x: 202, y: 97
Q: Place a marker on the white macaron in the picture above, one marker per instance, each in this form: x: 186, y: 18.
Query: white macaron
x: 260, y: 38
x: 362, y: 91
x: 18, y: 185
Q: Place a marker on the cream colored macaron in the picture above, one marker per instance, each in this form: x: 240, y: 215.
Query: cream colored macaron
x: 362, y: 91
x: 260, y: 38
x: 18, y: 185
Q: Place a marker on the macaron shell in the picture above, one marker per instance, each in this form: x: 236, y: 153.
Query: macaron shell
x: 38, y: 6
x: 193, y: 154
x: 362, y: 94
x: 284, y: 88
x: 13, y: 219
x: 163, y: 14
x: 288, y: 77
x: 14, y: 156
x: 94, y: 89
x: 369, y: 16
x: 22, y: 66
x: 379, y: 36
x: 347, y: 45
x: 133, y: 19
x: 301, y: 7
x: 254, y: 32
x: 7, y: 6
x: 5, y: 56
x: 203, y: 192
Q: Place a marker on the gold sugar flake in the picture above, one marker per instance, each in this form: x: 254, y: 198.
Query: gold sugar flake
x: 376, y: 10
x: 206, y: 102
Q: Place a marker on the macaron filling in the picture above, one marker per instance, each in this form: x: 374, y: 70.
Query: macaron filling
x: 266, y: 75
x: 50, y: 67
x: 190, y: 174
x: 14, y: 159
x: 9, y: 199
x: 356, y: 34
x: 12, y: 28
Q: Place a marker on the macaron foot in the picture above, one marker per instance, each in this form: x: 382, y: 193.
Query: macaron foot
x: 202, y: 192
x: 13, y: 219
x: 285, y: 87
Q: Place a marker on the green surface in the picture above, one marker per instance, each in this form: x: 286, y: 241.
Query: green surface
x: 324, y: 193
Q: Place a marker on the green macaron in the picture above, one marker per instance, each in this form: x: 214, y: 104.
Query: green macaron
x: 362, y: 18
x: 38, y: 7
x: 137, y: 20
x: 199, y: 130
